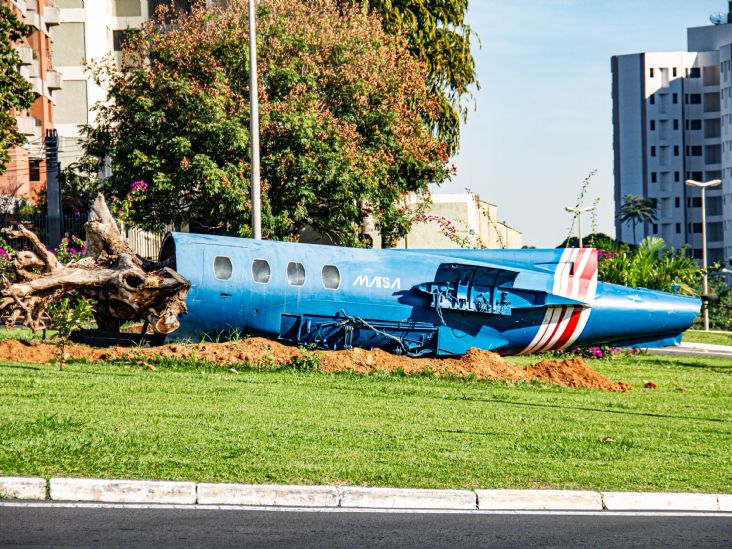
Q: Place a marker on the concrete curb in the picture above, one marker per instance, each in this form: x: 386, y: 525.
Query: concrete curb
x: 545, y: 500
x: 275, y: 495
x: 23, y: 487
x: 642, y: 501
x: 390, y: 498
x: 122, y: 491
x: 355, y: 497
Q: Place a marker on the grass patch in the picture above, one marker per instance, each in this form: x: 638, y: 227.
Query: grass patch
x: 198, y: 422
x: 700, y: 336
x: 25, y: 334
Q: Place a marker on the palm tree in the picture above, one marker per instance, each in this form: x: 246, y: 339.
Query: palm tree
x: 637, y: 210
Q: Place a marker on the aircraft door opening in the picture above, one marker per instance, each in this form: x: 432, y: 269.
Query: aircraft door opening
x: 222, y: 302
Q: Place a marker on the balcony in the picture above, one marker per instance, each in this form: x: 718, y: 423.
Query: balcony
x: 36, y: 84
x: 22, y: 5
x: 53, y: 80
x: 29, y: 126
x: 33, y: 19
x: 52, y: 16
x: 25, y: 53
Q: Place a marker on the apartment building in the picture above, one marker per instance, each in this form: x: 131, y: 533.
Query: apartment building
x: 672, y: 119
x: 25, y: 175
x: 472, y: 221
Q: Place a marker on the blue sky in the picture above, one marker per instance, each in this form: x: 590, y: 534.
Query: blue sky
x: 543, y: 118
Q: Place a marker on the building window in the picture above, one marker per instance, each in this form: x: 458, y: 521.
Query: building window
x: 693, y: 98
x: 694, y: 125
x: 223, y: 268
x: 653, y: 125
x: 676, y: 124
x: 676, y: 150
x: 261, y: 271
x: 676, y: 98
x: 675, y: 72
x: 331, y: 277
x: 653, y: 99
x: 295, y: 274
x: 34, y: 170
x: 655, y: 228
x: 119, y: 37
x: 654, y: 177
x: 697, y: 175
x: 695, y: 72
x: 677, y: 202
x: 651, y: 72
x: 695, y: 150
x: 677, y: 176
x: 678, y: 228
x: 653, y: 150
x: 126, y: 8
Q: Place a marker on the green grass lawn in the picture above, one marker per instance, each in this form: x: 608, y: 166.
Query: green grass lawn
x: 700, y: 336
x: 314, y: 428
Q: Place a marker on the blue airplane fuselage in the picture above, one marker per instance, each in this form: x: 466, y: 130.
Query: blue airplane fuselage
x: 439, y: 302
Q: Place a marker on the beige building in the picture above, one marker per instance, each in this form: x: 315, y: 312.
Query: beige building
x: 461, y: 221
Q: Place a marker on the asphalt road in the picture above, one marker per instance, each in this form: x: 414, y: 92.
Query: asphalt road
x: 182, y: 528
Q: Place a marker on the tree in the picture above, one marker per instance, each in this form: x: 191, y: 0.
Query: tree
x: 637, y: 210
x: 15, y: 91
x: 345, y: 119
x: 438, y: 35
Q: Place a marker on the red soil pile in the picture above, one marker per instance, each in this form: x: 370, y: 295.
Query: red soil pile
x: 263, y: 352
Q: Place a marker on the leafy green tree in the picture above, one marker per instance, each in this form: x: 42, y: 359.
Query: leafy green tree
x: 15, y: 91
x: 438, y: 35
x: 345, y: 120
x: 636, y: 210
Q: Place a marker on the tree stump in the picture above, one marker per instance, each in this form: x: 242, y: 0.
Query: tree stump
x: 125, y: 286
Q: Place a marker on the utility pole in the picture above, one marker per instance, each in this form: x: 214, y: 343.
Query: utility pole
x: 53, y: 190
x: 255, y: 190
x: 578, y: 212
x: 703, y: 187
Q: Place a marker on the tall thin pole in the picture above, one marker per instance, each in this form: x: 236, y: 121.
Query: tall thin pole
x: 256, y: 196
x: 579, y: 229
x: 703, y: 186
x: 704, y: 256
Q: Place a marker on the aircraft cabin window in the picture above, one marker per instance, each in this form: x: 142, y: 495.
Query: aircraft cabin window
x: 295, y: 274
x: 331, y: 277
x: 260, y: 271
x: 223, y: 268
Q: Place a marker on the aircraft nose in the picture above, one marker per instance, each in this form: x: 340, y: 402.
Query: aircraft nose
x: 628, y: 313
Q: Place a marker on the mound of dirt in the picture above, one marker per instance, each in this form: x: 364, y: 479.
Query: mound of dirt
x: 263, y: 352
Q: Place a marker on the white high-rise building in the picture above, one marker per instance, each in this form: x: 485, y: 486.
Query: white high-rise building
x: 88, y: 31
x: 672, y: 118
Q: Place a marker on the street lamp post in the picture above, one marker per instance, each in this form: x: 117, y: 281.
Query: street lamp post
x: 703, y: 187
x: 578, y: 212
x: 256, y: 193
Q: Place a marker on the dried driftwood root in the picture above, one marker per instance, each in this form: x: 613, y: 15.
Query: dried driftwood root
x: 125, y: 286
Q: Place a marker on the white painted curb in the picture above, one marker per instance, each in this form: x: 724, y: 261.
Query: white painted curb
x: 258, y: 494
x: 641, y: 501
x: 354, y: 497
x: 725, y: 502
x: 545, y: 500
x: 391, y: 498
x: 122, y: 491
x: 23, y: 487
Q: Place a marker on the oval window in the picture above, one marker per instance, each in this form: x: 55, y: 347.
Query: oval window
x: 223, y: 268
x: 331, y: 277
x: 260, y: 271
x: 295, y: 274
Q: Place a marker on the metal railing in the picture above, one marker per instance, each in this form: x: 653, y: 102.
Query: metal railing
x: 142, y: 242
